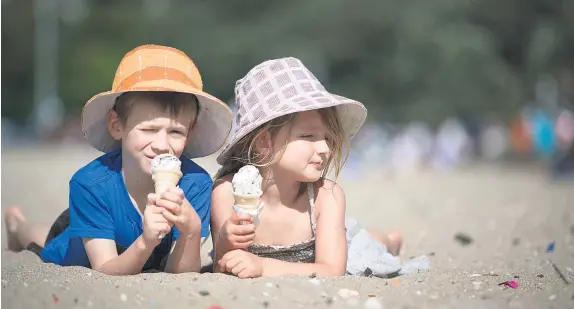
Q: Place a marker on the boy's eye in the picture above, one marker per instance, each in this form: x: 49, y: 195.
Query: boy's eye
x: 177, y: 132
x: 148, y: 129
x: 306, y: 135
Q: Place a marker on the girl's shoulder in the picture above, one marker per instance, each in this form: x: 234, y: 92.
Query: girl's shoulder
x: 222, y: 193
x: 328, y: 192
x: 325, y: 184
x: 223, y: 185
x: 225, y: 179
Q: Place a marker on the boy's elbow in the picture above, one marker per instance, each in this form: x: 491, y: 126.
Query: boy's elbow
x: 106, y: 271
x: 173, y: 270
x: 100, y: 268
x: 109, y: 269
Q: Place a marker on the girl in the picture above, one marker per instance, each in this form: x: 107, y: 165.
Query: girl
x: 295, y: 132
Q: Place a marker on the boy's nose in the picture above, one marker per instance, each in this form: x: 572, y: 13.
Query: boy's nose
x: 160, y: 144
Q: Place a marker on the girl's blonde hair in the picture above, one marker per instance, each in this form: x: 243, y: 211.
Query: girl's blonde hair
x: 243, y: 152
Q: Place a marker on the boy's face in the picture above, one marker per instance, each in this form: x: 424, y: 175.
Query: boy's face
x: 150, y: 131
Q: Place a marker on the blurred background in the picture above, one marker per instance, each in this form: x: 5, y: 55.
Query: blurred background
x: 446, y: 82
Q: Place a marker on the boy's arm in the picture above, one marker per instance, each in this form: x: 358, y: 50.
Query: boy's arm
x: 330, y: 240
x: 104, y: 257
x: 90, y: 220
x: 185, y: 253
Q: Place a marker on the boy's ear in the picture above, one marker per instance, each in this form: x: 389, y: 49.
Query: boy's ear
x: 192, y: 128
x: 115, y: 126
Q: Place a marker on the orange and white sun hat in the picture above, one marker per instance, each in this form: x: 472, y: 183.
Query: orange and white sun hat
x: 159, y: 68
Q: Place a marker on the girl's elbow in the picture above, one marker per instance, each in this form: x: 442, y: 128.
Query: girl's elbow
x: 333, y: 271
x: 338, y: 272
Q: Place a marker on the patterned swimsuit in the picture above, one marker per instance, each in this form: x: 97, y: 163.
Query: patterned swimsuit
x: 303, y: 252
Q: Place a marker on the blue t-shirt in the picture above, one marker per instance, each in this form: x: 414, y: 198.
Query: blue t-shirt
x: 100, y: 207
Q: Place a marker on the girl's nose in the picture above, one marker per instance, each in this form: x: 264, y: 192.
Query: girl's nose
x: 322, y: 147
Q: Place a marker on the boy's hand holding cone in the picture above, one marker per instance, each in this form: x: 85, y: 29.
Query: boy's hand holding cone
x: 165, y: 173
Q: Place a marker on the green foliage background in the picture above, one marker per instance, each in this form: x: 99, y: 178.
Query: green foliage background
x: 406, y: 60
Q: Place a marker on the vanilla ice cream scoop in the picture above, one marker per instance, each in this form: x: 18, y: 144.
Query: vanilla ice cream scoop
x: 247, y: 181
x: 165, y: 161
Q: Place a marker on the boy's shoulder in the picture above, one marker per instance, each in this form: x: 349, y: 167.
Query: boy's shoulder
x: 99, y: 169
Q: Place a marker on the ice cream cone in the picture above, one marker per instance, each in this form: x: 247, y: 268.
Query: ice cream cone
x: 247, y: 192
x: 164, y: 179
x: 248, y: 204
x: 247, y: 201
x: 165, y: 172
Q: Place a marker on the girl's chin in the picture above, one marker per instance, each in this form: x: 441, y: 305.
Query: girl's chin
x: 312, y: 177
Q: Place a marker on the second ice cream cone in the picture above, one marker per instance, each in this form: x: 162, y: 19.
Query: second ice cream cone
x: 247, y: 201
x: 248, y: 204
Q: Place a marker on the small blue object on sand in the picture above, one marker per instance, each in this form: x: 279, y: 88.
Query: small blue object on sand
x: 550, y: 247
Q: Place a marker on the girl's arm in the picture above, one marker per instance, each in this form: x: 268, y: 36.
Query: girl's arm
x: 330, y: 239
x: 221, y: 209
x: 104, y: 256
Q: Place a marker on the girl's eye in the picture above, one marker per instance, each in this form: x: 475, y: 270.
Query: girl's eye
x: 307, y: 135
x: 148, y: 129
x: 178, y: 132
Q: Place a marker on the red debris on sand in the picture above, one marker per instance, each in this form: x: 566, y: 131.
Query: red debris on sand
x: 510, y: 284
x: 215, y: 307
x: 56, y: 299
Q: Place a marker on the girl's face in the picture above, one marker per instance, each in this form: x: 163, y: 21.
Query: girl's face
x: 302, y: 147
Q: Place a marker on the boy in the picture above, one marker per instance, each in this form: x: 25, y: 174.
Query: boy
x: 115, y: 224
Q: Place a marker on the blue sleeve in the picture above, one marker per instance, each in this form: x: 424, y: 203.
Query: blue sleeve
x: 199, y: 196
x: 89, y: 217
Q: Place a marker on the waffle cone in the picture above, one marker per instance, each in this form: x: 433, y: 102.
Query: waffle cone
x: 247, y: 201
x: 164, y: 179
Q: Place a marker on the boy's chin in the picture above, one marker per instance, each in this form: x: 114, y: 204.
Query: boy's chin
x: 146, y: 167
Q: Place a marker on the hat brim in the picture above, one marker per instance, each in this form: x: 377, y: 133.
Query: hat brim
x: 352, y: 115
x: 212, y: 127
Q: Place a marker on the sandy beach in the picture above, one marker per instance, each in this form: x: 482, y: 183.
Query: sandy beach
x: 507, y: 216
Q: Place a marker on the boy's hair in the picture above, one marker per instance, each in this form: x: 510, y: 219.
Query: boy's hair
x: 243, y: 152
x: 173, y: 102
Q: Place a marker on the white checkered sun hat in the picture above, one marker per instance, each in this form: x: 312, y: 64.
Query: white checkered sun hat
x: 283, y: 86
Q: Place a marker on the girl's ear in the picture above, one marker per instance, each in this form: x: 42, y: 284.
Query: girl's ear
x: 115, y: 126
x: 263, y: 143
